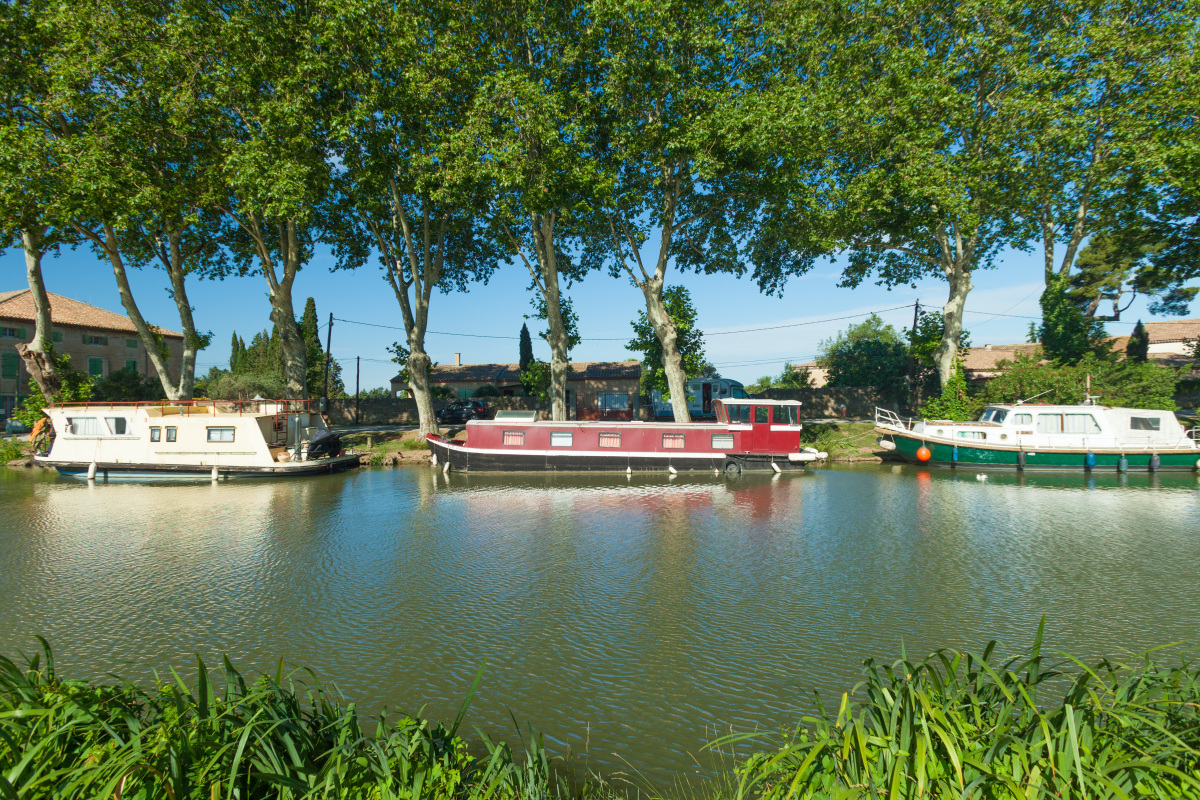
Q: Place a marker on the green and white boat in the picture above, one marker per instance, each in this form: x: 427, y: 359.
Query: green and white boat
x: 1034, y: 436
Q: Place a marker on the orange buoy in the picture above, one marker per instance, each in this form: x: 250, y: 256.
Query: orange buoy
x: 923, y: 453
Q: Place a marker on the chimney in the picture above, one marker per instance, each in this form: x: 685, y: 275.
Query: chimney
x: 458, y: 359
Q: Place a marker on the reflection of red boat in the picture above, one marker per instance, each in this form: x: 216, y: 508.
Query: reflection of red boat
x: 748, y: 435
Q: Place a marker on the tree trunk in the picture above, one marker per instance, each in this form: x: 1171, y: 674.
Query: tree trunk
x: 668, y: 337
x: 295, y: 353
x: 560, y: 365
x: 191, y: 342
x: 952, y: 317
x: 418, y: 383
x: 37, y: 354
x: 148, y: 338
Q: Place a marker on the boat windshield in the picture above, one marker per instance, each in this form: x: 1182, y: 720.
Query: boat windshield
x: 996, y: 416
x: 786, y: 415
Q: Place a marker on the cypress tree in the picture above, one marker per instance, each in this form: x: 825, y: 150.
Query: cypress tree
x: 234, y: 354
x: 1138, y: 348
x: 310, y: 331
x: 526, y: 348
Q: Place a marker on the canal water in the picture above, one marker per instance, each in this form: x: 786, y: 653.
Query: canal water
x: 630, y: 619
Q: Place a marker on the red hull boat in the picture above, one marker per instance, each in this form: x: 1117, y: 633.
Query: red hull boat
x: 762, y: 435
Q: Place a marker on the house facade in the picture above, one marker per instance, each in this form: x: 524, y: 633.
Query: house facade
x: 595, y: 389
x: 98, y: 341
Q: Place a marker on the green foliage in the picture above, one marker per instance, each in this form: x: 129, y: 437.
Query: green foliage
x: 10, y: 449
x: 870, y: 353
x: 378, y: 393
x: 127, y: 386
x: 220, y: 384
x: 954, y: 402
x: 76, y: 387
x: 792, y: 377
x: 487, y: 390
x: 234, y: 736
x: 1066, y: 333
x: 536, y: 380
x: 525, y: 348
x: 974, y: 726
x: 1138, y: 348
x: 1126, y: 383
x: 690, y: 340
x: 569, y: 318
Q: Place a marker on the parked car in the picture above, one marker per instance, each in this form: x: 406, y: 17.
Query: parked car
x: 463, y: 410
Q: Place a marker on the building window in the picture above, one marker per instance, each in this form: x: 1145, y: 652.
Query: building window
x: 561, y: 438
x: 96, y: 367
x: 131, y: 364
x: 722, y: 441
x: 610, y: 402
x: 89, y: 338
x: 515, y: 438
x: 220, y: 434
x: 117, y: 425
x: 170, y: 434
x: 155, y: 434
x: 673, y: 441
x: 10, y: 365
x: 1144, y: 424
x: 13, y: 333
x: 610, y: 440
x: 84, y: 426
x: 131, y: 343
x: 56, y: 336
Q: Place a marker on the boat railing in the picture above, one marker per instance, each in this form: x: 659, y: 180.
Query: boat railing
x: 885, y: 416
x: 189, y: 407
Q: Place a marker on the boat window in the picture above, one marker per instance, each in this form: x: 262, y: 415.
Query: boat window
x: 1144, y: 424
x: 722, y: 441
x: 787, y: 415
x: 972, y: 435
x: 561, y: 438
x: 155, y: 434
x: 994, y: 415
x: 170, y: 434
x: 673, y: 441
x: 1049, y: 423
x: 1080, y: 423
x: 739, y: 413
x: 610, y: 439
x: 1022, y: 419
x: 761, y: 413
x: 84, y: 426
x: 515, y: 438
x: 116, y: 425
x: 220, y: 434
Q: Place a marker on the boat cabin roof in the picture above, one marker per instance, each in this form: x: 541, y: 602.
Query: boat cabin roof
x: 751, y: 401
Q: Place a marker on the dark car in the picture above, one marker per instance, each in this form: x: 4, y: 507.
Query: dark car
x: 463, y: 410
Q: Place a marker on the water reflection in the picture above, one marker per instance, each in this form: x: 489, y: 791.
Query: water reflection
x: 629, y: 616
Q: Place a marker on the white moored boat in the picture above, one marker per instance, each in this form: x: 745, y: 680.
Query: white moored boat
x: 192, y: 439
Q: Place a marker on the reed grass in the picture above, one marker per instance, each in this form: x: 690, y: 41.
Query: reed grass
x: 953, y: 725
x: 967, y: 725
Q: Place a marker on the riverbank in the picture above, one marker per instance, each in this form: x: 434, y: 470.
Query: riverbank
x: 971, y: 725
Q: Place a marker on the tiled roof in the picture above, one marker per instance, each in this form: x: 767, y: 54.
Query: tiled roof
x: 984, y: 359
x: 1176, y: 330
x: 511, y: 373
x: 65, y: 311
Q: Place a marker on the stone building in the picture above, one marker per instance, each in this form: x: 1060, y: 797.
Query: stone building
x: 98, y: 341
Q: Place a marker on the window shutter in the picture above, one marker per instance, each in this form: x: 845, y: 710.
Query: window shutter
x: 104, y: 340
x: 20, y: 333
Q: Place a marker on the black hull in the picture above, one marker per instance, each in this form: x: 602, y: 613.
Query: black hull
x: 104, y: 471
x: 464, y: 459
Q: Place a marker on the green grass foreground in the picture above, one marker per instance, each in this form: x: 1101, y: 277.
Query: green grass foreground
x: 955, y: 725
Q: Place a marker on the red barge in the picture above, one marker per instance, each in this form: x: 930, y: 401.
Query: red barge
x: 749, y: 434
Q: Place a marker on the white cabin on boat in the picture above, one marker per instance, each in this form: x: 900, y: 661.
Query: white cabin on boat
x: 254, y: 437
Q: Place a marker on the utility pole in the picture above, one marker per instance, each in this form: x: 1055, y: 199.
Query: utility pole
x: 328, y: 340
x: 357, y: 373
x: 912, y: 359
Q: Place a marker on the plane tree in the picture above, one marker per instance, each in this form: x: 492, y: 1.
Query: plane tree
x: 408, y: 84
x: 678, y: 189
x: 529, y: 145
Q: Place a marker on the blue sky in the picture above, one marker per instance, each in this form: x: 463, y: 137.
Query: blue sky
x: 605, y: 306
